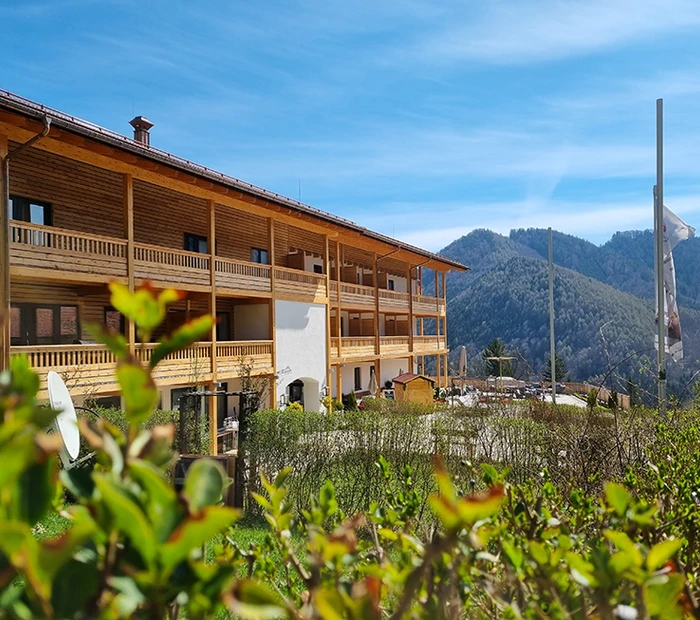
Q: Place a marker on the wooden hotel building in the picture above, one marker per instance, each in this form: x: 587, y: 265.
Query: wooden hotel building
x: 311, y: 300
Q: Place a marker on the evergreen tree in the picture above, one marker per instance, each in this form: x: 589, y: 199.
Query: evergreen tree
x: 494, y: 368
x: 560, y: 368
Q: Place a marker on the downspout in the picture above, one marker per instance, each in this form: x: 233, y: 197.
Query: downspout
x: 5, y: 244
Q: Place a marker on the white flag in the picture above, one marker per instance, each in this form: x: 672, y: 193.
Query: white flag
x: 675, y: 231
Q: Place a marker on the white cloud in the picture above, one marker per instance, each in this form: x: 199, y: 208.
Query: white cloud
x: 508, y: 32
x: 596, y: 221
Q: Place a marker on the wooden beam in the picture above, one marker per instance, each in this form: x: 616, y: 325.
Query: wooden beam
x: 327, y: 269
x: 272, y: 309
x: 411, y: 323
x: 339, y: 382
x: 128, y: 184
x: 377, y: 341
x: 5, y: 335
x: 338, y: 267
x: 213, y: 402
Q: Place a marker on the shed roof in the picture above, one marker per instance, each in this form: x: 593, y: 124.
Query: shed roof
x: 407, y: 377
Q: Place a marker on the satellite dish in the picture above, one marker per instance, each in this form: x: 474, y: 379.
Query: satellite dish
x: 66, y: 420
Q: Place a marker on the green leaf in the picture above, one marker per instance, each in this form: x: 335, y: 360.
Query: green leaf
x: 78, y: 481
x: 329, y: 604
x: 36, y: 490
x: 160, y: 501
x: 116, y: 343
x: 196, y: 530
x: 204, y: 484
x: 662, y: 552
x: 128, y: 517
x: 138, y: 390
x: 144, y: 307
x: 515, y: 556
x: 25, y: 381
x: 478, y: 507
x: 281, y: 478
x: 539, y: 553
x: 662, y: 598
x: 251, y: 600
x: 626, y: 546
x: 617, y: 497
x: 182, y: 337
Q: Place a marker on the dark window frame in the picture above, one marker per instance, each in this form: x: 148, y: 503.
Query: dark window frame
x: 390, y: 285
x: 318, y: 268
x: 122, y: 320
x: 192, y: 240
x: 22, y: 210
x: 258, y: 254
x: 358, y: 378
x: 28, y: 327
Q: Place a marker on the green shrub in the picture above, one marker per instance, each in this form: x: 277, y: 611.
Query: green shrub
x: 350, y: 401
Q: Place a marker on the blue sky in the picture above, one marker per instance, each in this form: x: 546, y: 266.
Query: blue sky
x: 422, y: 119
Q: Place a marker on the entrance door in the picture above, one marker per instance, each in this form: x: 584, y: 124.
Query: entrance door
x: 296, y: 391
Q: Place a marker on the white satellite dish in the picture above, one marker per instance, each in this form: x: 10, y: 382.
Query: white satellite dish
x: 66, y: 420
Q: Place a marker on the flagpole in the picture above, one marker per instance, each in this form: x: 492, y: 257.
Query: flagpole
x: 552, y: 348
x: 659, y: 253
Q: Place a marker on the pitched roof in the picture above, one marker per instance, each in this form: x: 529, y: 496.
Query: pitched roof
x: 407, y: 377
x: 18, y: 104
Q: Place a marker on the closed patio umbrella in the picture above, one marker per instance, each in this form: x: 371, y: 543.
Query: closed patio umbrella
x: 372, y: 388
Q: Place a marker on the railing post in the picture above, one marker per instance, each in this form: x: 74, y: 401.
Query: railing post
x: 339, y: 313
x: 327, y: 269
x: 5, y: 337
x: 377, y: 342
x: 129, y: 234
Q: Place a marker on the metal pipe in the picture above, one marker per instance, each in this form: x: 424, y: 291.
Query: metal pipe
x: 5, y: 244
x: 659, y: 246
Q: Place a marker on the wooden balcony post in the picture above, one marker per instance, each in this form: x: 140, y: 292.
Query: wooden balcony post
x: 339, y: 381
x: 213, y: 402
x: 411, y: 326
x: 5, y: 337
x: 327, y: 269
x: 338, y: 267
x: 272, y: 318
x: 377, y: 342
x: 129, y: 234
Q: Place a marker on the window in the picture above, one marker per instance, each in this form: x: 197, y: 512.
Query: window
x: 114, y: 320
x: 258, y: 255
x: 390, y: 285
x: 358, y: 378
x: 177, y: 394
x: 44, y: 324
x: 32, y: 211
x: 109, y: 402
x: 196, y: 243
x: 223, y: 326
x: 318, y: 268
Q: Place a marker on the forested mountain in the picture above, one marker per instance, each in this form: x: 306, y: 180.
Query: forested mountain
x: 505, y: 295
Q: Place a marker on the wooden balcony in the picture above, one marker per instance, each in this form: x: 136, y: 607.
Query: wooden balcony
x: 65, y: 254
x: 238, y: 276
x: 424, y: 345
x: 363, y: 347
x: 422, y: 304
x: 293, y: 283
x: 168, y: 267
x: 359, y: 297
x: 89, y: 368
x: 393, y: 300
x: 231, y: 356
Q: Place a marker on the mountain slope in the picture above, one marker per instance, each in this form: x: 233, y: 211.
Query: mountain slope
x: 505, y: 295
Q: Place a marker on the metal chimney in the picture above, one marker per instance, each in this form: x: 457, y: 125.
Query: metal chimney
x: 141, y: 127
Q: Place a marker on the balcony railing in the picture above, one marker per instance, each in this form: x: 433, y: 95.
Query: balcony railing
x: 90, y: 367
x: 242, y: 276
x: 45, y: 247
x: 426, y: 344
x: 234, y: 358
x: 394, y: 345
x: 167, y: 266
x: 296, y: 283
x: 422, y: 304
x: 353, y: 295
x: 393, y: 300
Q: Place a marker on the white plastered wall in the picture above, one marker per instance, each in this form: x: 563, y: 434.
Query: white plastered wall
x: 300, y: 348
x: 389, y: 368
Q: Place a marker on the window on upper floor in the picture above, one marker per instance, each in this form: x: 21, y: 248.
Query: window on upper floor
x: 196, y: 243
x: 114, y: 320
x: 32, y: 211
x: 318, y: 268
x: 258, y: 255
x: 44, y: 324
x: 390, y: 285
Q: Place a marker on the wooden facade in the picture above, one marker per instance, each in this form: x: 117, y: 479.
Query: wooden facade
x: 118, y: 210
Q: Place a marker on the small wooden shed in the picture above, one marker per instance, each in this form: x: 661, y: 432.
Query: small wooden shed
x: 410, y: 387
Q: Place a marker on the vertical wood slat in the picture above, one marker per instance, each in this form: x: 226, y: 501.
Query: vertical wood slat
x: 272, y: 309
x: 129, y: 234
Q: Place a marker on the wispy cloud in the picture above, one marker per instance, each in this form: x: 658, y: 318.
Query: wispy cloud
x: 503, y: 32
x: 592, y: 220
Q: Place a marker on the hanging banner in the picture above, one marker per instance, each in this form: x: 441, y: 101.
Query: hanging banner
x: 675, y: 231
